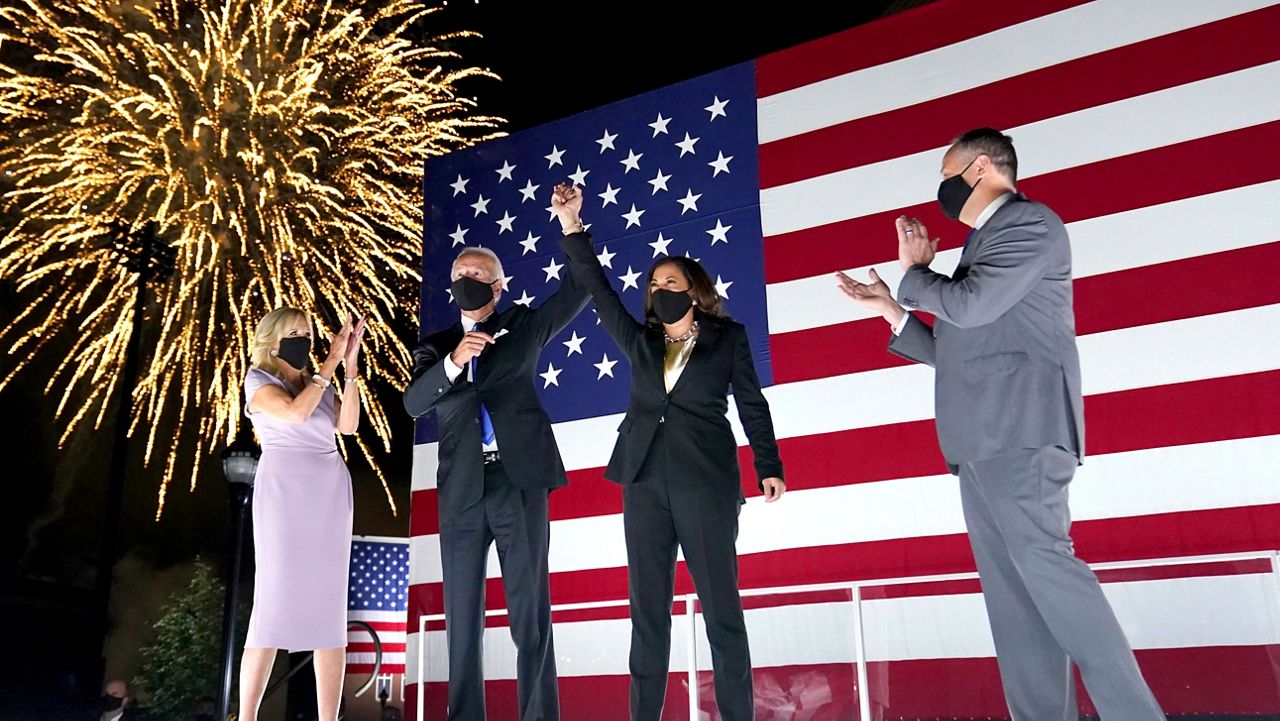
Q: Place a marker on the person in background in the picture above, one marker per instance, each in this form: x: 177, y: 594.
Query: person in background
x: 115, y: 703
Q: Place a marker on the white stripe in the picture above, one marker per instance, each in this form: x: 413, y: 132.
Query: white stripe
x: 1173, y: 352
x: 400, y: 617
x: 1226, y: 102
x: 1241, y: 610
x: 1221, y: 474
x: 426, y: 464
x: 582, y: 443
x: 1063, y: 36
x: 388, y: 659
x: 386, y: 637
x: 394, y: 540
x: 411, y: 658
x: 1188, y: 228
x: 1211, y: 346
x: 1175, y: 613
x: 588, y: 648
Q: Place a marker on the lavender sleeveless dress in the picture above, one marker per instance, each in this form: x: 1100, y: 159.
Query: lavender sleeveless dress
x: 301, y: 529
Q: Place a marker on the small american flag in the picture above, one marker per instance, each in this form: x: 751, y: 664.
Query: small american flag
x: 377, y: 595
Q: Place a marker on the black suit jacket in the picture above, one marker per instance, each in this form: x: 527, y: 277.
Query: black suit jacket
x: 504, y: 382
x: 697, y: 432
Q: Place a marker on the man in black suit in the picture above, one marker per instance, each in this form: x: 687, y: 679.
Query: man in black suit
x: 498, y: 462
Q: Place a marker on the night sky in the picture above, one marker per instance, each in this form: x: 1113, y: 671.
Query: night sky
x: 554, y: 60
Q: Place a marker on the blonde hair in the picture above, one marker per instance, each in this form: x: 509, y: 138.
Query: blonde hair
x: 274, y: 326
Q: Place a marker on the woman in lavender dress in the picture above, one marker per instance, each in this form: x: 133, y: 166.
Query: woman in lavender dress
x: 301, y: 504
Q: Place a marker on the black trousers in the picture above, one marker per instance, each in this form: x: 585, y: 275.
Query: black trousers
x: 517, y: 520
x: 660, y: 510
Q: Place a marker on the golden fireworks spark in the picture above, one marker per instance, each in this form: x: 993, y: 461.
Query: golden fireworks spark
x: 277, y: 144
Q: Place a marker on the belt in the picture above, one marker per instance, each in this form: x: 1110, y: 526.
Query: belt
x: 491, y: 457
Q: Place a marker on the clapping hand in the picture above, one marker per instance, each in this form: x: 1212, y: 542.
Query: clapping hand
x: 914, y: 246
x: 351, y: 356
x: 873, y: 296
x: 338, y: 346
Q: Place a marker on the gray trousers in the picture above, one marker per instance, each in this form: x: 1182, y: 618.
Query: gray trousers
x: 1045, y: 606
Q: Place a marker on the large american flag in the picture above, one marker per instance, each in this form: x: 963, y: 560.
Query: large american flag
x: 1152, y: 128
x: 378, y: 595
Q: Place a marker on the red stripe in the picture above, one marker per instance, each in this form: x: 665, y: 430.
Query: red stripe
x: 368, y: 647
x: 1215, y: 409
x: 588, y: 494
x: 594, y: 698
x: 1122, y: 299
x: 898, y: 36
x: 1158, y: 293
x: 1138, y: 180
x: 1183, y: 57
x: 1224, y: 530
x: 832, y: 350
x: 424, y: 512
x: 1217, y: 680
x: 364, y: 669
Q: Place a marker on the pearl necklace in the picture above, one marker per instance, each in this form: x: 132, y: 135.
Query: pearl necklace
x: 693, y: 330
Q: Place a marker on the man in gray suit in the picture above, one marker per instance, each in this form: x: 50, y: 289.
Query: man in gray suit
x: 1011, y: 425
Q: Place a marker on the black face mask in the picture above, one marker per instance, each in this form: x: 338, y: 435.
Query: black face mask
x: 670, y: 305
x: 295, y: 351
x: 109, y: 703
x: 953, y: 193
x: 472, y: 294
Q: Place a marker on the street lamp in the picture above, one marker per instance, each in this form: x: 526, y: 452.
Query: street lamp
x: 240, y: 465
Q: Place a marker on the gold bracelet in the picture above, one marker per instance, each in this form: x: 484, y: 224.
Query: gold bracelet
x: 577, y: 227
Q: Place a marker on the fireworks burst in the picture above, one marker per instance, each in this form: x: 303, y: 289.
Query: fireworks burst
x: 277, y: 145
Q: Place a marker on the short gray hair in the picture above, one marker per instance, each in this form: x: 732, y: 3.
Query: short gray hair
x: 476, y: 250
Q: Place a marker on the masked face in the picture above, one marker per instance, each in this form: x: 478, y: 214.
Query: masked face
x: 953, y: 193
x: 295, y: 350
x: 471, y: 294
x: 670, y: 305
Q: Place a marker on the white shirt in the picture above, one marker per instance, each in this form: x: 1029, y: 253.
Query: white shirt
x: 991, y: 209
x: 453, y: 370
x: 983, y: 217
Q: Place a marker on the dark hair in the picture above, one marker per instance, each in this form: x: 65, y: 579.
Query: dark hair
x: 992, y: 143
x: 705, y: 296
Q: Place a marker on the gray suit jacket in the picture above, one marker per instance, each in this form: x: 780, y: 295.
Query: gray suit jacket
x: 1004, y: 342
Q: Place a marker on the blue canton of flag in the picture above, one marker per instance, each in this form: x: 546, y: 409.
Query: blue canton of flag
x: 672, y: 172
x: 379, y: 577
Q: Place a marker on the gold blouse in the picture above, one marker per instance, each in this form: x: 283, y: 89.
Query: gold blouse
x: 677, y: 358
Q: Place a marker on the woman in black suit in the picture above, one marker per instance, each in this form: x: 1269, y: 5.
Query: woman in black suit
x: 677, y: 462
